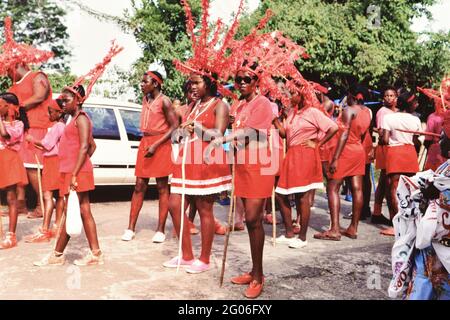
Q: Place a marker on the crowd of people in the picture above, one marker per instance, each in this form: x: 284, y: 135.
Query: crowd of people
x: 286, y: 139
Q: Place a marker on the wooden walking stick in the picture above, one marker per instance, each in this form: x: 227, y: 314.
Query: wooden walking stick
x: 41, y: 195
x: 183, y: 178
x: 274, y: 216
x: 231, y: 212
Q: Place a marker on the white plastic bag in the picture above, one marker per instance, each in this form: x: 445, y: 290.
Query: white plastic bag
x: 73, y: 220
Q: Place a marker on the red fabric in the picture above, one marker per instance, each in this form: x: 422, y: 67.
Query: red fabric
x: 38, y: 116
x: 158, y: 165
x: 12, y: 170
x: 380, y: 157
x: 308, y: 159
x: 153, y: 120
x: 85, y: 182
x: 368, y: 143
x: 401, y: 159
x: 29, y: 151
x: 256, y: 114
x: 50, y: 174
x: 69, y: 147
x: 202, y: 178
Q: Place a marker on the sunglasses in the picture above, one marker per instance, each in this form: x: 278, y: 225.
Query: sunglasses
x: 245, y: 79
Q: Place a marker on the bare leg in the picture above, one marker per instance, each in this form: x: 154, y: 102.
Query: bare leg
x: 205, y: 211
x: 253, y: 218
x: 380, y: 193
x: 49, y: 206
x: 12, y: 199
x: 88, y: 221
x: 175, y: 212
x: 64, y: 238
x: 33, y: 180
x: 334, y: 203
x: 367, y: 191
x: 137, y: 200
x: 59, y: 209
x: 303, y: 202
x: 162, y: 184
x: 286, y: 214
x: 356, y: 184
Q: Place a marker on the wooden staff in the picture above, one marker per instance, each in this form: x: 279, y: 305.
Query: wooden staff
x: 183, y: 178
x: 41, y: 194
x: 231, y: 212
x: 274, y: 217
x: 420, y: 133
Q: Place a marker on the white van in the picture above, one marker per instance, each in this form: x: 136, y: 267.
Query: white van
x: 116, y: 130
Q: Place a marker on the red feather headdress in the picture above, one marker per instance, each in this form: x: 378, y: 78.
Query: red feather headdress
x: 441, y: 98
x: 93, y: 75
x: 14, y: 53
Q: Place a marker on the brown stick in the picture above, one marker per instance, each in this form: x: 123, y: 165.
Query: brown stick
x: 424, y: 133
x: 41, y: 194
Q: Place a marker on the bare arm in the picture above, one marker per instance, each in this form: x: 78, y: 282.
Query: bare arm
x: 3, y: 131
x: 282, y: 131
x: 41, y: 90
x: 385, y: 137
x: 329, y: 134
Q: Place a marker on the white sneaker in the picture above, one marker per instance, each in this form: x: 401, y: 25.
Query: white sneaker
x: 128, y: 235
x: 297, y: 243
x: 283, y: 240
x: 50, y: 260
x: 159, y: 237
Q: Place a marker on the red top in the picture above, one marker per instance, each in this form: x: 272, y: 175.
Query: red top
x: 184, y: 111
x: 360, y: 125
x: 153, y: 119
x: 69, y: 147
x: 23, y: 89
x: 256, y: 114
x: 206, y: 116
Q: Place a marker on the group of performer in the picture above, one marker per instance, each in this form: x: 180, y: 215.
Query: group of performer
x: 320, y: 144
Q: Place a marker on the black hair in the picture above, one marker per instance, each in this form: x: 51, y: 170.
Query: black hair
x: 187, y: 86
x: 402, y: 100
x: 359, y: 89
x: 11, y: 98
x: 80, y: 90
x: 211, y: 84
x: 390, y: 88
x: 160, y: 77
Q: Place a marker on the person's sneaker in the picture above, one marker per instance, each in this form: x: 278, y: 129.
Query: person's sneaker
x: 283, y: 240
x: 245, y: 278
x: 90, y: 260
x: 128, y: 235
x: 9, y: 242
x: 51, y: 260
x: 254, y: 290
x: 173, y: 263
x: 38, y: 237
x: 159, y: 237
x: 219, y: 229
x: 198, y: 267
x: 297, y: 243
x: 380, y: 219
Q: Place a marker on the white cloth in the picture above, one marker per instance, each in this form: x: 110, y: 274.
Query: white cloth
x: 403, y: 121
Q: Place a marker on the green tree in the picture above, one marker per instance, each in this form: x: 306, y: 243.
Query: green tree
x: 347, y: 42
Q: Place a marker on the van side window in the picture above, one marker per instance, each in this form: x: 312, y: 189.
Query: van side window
x: 131, y: 120
x: 105, y: 123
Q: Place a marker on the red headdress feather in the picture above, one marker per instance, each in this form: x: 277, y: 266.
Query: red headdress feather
x: 95, y: 73
x: 14, y: 53
x: 441, y: 98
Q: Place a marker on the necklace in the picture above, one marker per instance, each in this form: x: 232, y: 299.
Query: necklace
x: 200, y: 108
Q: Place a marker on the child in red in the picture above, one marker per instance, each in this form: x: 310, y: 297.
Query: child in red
x: 11, y: 165
x: 50, y: 173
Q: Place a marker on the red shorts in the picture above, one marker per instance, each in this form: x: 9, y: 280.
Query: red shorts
x: 85, y: 182
x: 292, y: 180
x: 12, y: 171
x: 29, y: 151
x: 401, y: 159
x: 50, y: 174
x: 254, y: 180
x: 352, y: 162
x: 380, y: 157
x: 158, y: 165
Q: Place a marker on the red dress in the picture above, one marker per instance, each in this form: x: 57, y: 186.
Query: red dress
x: 255, y: 169
x: 12, y: 171
x: 201, y: 178
x: 37, y: 117
x: 69, y: 147
x: 154, y: 125
x: 352, y: 161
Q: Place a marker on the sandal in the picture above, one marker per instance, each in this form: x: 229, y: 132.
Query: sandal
x: 348, y: 235
x: 327, y: 235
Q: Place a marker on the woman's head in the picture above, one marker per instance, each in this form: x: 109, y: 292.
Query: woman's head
x: 150, y: 81
x: 407, y: 102
x: 357, y: 94
x: 55, y: 111
x: 9, y: 105
x: 72, y: 99
x: 390, y: 97
x: 202, y: 85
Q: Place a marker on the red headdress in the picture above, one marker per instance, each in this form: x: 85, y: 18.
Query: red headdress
x: 93, y: 75
x: 208, y: 58
x: 14, y: 53
x: 441, y: 98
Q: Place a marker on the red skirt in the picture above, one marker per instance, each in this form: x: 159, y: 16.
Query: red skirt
x: 295, y: 180
x: 201, y: 178
x: 401, y: 159
x: 279, y: 161
x: 254, y: 178
x: 352, y: 162
x: 29, y: 151
x: 50, y: 174
x: 158, y: 165
x: 12, y: 171
x: 380, y: 157
x: 85, y: 182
